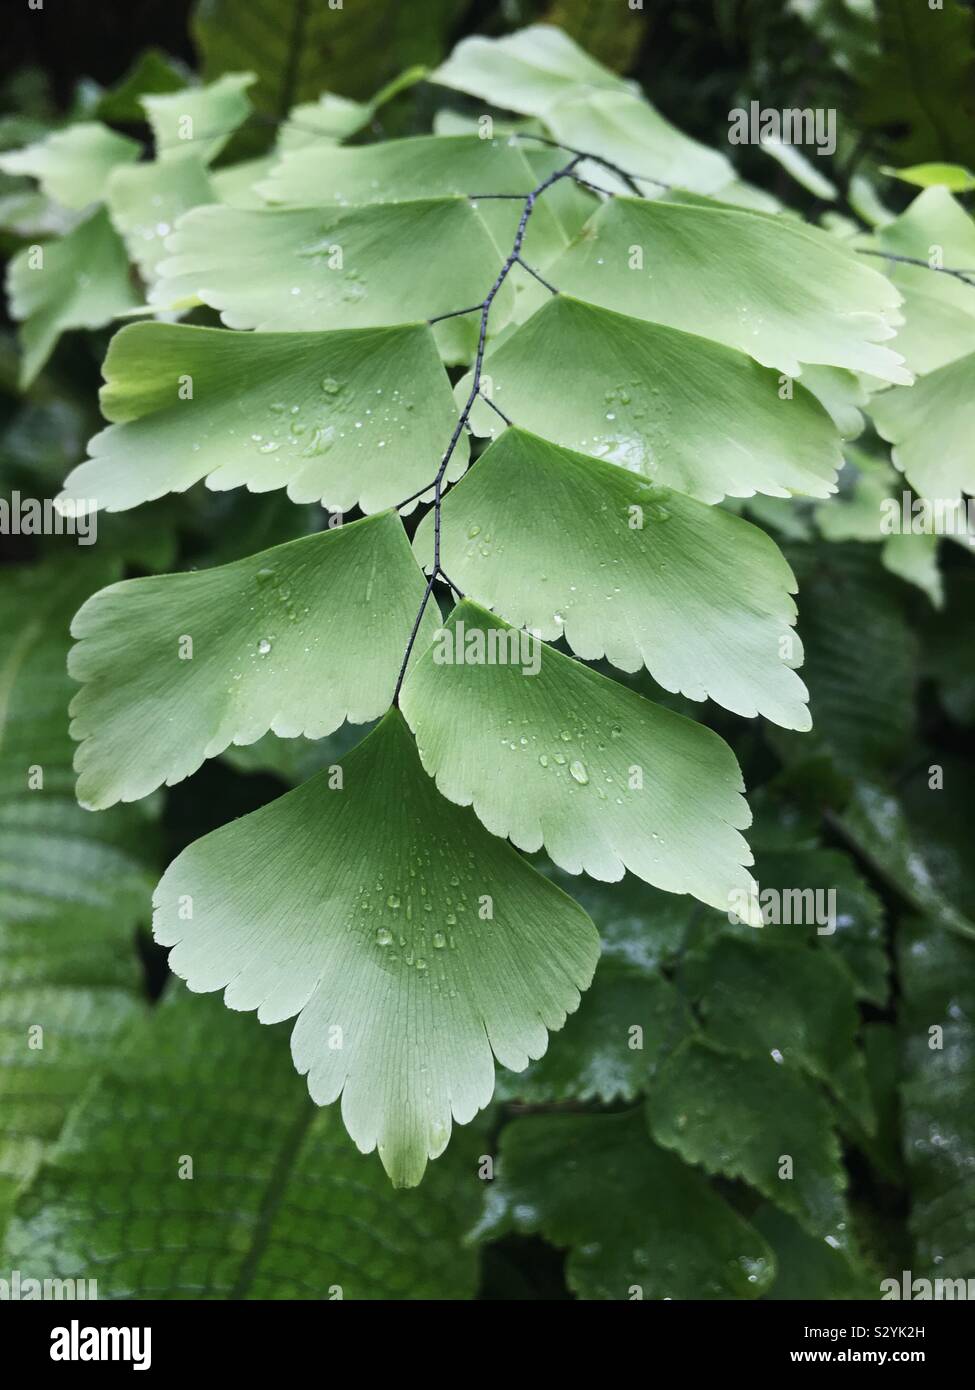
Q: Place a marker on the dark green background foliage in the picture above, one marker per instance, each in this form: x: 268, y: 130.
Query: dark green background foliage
x: 613, y: 1168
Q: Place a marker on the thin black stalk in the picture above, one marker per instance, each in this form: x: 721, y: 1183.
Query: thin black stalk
x: 513, y: 258
x: 967, y: 277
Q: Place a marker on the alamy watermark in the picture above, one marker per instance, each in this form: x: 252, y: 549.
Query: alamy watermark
x: 498, y: 646
x: 925, y: 1290
x: 22, y: 1288
x: 757, y: 125
x: 788, y: 907
x: 35, y: 516
x: 908, y: 515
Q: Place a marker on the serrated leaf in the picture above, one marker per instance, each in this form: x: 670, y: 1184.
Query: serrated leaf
x: 784, y: 293
x: 261, y: 657
x: 79, y: 281
x: 808, y: 1269
x: 527, y: 71
x: 72, y: 165
x: 601, y: 777
x: 853, y: 925
x: 399, y: 1008
x: 197, y: 122
x: 609, y: 1049
x: 278, y: 1204
x: 699, y: 597
x: 280, y: 276
x: 742, y: 1117
x: 939, y: 1063
x: 347, y: 418
x: 144, y: 200
x: 931, y: 426
x: 636, y: 1221
x: 630, y: 392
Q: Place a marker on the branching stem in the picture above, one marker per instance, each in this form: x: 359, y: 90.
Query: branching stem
x: 513, y: 258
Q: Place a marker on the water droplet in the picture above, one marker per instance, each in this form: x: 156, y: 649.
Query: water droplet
x: 264, y: 646
x: 578, y: 772
x: 384, y: 936
x: 439, y: 940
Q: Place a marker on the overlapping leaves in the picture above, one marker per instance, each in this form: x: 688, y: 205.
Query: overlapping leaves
x: 412, y: 944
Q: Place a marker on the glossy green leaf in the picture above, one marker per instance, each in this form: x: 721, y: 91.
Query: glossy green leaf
x: 247, y: 1193
x: 768, y: 999
x: 861, y: 694
x: 875, y: 823
x: 939, y: 1065
x: 746, y: 1117
x: 785, y: 293
x: 637, y: 1223
x: 347, y: 418
x: 851, y: 925
x: 809, y: 1269
x: 551, y: 753
x: 610, y: 1048
x: 295, y: 639
x: 73, y: 164
x: 79, y: 281
x: 631, y: 393
x: 410, y: 943
x: 699, y: 597
x: 642, y: 929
